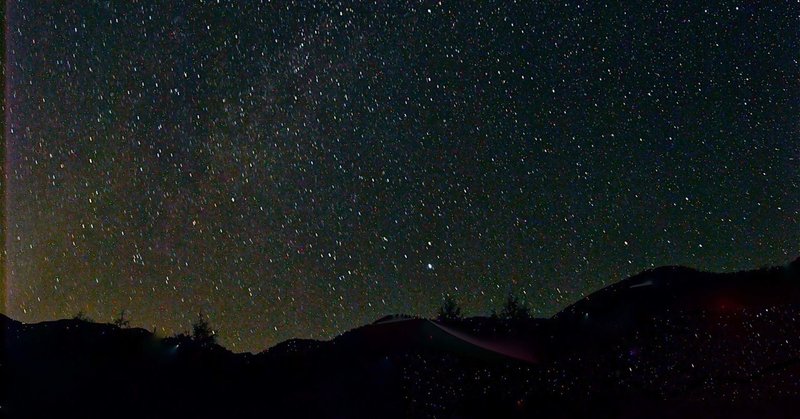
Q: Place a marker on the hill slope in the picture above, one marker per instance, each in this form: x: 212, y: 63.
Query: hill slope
x: 672, y: 341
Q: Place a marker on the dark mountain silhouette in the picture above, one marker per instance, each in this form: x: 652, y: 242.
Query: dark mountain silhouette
x: 675, y: 287
x: 669, y: 342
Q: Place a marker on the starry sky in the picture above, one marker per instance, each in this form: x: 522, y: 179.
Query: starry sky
x: 296, y: 170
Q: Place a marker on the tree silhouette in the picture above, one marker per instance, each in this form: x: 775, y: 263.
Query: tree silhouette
x: 121, y: 321
x: 202, y: 332
x: 449, y: 311
x: 514, y: 309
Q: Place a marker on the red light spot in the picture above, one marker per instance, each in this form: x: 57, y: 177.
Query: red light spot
x: 726, y: 304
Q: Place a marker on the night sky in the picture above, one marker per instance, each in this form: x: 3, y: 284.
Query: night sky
x: 294, y: 170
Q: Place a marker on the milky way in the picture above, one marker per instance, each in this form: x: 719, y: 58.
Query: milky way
x: 294, y: 170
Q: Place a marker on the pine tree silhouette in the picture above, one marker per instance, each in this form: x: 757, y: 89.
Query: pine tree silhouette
x: 202, y: 333
x: 514, y: 309
x: 449, y: 311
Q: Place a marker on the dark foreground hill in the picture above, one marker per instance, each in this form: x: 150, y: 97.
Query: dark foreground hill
x: 670, y: 342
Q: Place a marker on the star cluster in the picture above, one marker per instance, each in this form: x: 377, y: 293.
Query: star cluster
x: 296, y: 169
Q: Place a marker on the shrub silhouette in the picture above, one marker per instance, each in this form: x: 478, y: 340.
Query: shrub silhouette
x: 121, y: 321
x: 449, y: 311
x: 81, y: 316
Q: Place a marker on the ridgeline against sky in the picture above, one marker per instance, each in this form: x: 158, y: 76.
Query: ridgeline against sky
x: 295, y: 170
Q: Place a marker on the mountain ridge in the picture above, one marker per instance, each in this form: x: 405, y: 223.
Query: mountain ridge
x: 657, y: 341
